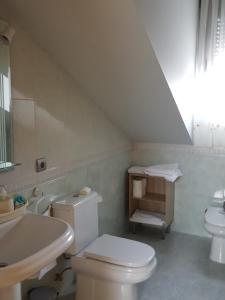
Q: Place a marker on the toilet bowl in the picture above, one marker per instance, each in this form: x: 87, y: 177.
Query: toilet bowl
x: 215, y: 225
x: 106, y: 267
x: 110, y: 267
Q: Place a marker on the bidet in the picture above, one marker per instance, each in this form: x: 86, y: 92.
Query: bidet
x: 215, y: 225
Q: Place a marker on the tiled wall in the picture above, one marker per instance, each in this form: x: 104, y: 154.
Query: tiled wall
x: 108, y: 177
x: 203, y: 176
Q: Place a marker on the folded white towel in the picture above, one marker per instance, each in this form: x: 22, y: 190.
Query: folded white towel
x: 146, y: 217
x: 137, y: 170
x: 168, y: 171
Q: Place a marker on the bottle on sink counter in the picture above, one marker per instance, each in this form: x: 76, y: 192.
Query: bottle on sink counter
x: 6, y: 202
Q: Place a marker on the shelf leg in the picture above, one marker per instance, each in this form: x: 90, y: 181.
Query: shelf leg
x: 133, y: 227
x: 163, y: 233
x: 168, y: 228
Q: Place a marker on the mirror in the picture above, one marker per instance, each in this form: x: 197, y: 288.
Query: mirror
x: 5, y: 106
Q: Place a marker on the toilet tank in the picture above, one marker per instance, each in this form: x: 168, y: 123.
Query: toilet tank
x: 81, y: 212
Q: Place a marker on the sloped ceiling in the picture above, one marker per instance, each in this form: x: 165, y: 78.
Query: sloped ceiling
x: 104, y: 47
x: 177, y: 29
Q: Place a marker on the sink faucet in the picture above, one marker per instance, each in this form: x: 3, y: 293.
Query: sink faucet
x: 37, y: 204
x: 35, y: 200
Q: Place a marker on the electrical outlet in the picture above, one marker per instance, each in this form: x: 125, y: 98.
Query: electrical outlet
x: 41, y: 164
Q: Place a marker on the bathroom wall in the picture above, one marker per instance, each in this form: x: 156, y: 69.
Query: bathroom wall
x: 203, y: 178
x: 52, y: 117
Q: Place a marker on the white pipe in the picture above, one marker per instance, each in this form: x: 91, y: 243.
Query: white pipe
x: 11, y: 293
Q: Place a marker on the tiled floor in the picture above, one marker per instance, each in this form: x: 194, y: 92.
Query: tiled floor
x: 184, y: 271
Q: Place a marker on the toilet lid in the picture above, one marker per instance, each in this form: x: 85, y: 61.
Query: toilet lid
x: 120, y: 251
x: 215, y: 216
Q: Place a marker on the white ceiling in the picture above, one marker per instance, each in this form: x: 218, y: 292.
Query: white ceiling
x: 105, y: 48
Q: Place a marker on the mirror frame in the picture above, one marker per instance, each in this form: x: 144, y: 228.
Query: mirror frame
x: 6, y: 34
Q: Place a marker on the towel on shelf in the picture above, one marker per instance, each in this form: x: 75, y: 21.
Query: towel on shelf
x: 168, y: 171
x: 147, y: 217
x: 137, y: 170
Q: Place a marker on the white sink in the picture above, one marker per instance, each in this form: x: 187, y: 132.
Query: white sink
x: 27, y: 245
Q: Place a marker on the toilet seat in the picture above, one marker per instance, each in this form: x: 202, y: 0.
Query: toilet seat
x: 120, y: 251
x: 116, y: 259
x: 111, y: 272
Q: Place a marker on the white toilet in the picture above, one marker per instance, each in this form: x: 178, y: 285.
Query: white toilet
x: 107, y: 267
x: 215, y: 225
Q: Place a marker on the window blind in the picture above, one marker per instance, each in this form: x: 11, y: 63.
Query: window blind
x: 219, y: 45
x: 208, y: 119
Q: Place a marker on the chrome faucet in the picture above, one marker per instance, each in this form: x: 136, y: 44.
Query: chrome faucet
x: 36, y: 198
x: 37, y: 203
x: 40, y: 200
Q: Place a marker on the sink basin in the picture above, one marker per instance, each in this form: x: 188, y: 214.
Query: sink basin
x: 28, y: 244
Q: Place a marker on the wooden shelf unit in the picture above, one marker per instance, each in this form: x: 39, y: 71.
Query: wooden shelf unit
x: 158, y: 198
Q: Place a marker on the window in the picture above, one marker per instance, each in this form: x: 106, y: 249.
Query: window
x: 209, y: 116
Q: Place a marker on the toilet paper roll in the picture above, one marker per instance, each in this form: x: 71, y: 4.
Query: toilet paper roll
x: 139, y: 186
x: 85, y: 191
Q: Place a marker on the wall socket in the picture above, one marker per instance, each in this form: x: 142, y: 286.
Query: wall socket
x: 41, y: 164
